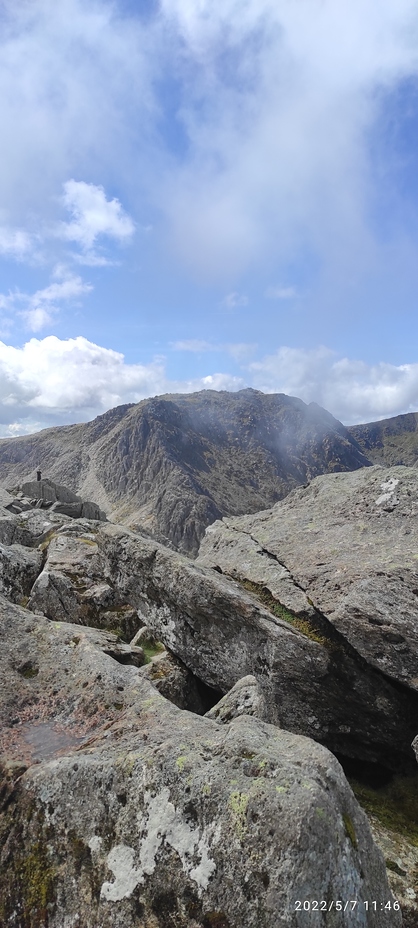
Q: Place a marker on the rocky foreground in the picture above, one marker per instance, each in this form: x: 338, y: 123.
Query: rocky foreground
x: 154, y: 787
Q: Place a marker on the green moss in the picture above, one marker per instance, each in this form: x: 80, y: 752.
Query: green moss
x: 37, y: 881
x: 150, y: 650
x: 394, y: 805
x: 180, y: 763
x: 349, y: 829
x: 28, y: 670
x: 44, y: 545
x: 87, y: 541
x: 305, y: 626
x: 392, y: 865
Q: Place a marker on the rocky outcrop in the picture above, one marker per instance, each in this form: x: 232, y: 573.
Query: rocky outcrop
x: 245, y: 698
x: 345, y: 546
x: 119, y: 810
x: 100, y: 574
x: 172, y: 465
x: 389, y: 442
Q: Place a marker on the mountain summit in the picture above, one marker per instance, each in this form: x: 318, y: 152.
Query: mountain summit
x: 173, y: 464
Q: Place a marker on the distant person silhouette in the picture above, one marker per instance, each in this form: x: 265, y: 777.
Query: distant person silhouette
x: 38, y: 475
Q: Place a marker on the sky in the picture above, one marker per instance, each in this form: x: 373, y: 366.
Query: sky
x: 200, y: 195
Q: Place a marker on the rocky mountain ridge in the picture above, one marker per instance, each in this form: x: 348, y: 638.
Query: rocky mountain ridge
x: 389, y: 441
x: 173, y: 464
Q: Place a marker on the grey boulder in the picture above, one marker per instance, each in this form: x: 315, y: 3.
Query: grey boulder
x: 120, y: 810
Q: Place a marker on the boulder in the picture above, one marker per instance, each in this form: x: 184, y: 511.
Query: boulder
x: 19, y: 568
x: 245, y: 698
x: 175, y: 681
x: 120, y: 810
x: 346, y: 545
x: 49, y: 491
x: 69, y: 509
x: 313, y: 681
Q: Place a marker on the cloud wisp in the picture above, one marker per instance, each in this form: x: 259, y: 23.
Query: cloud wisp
x: 38, y: 309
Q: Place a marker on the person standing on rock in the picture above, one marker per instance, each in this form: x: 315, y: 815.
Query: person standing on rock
x: 38, y: 474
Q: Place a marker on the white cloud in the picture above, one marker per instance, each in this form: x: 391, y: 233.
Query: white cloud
x: 233, y: 300
x: 93, y: 215
x: 39, y: 308
x: 352, y: 390
x: 280, y: 293
x: 15, y: 243
x: 276, y: 105
x: 52, y: 381
x: 281, y: 100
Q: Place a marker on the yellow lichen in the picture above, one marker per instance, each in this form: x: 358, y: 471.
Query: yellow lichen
x: 238, y: 803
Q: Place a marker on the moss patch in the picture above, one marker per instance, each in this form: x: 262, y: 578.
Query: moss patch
x: 394, y: 805
x: 306, y: 626
x: 349, y: 829
x: 150, y: 649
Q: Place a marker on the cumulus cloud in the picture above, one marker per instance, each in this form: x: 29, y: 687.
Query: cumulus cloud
x: 352, y: 390
x: 93, y: 215
x: 52, y: 381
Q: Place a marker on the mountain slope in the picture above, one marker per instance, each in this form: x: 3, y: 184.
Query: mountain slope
x: 175, y: 463
x: 390, y: 441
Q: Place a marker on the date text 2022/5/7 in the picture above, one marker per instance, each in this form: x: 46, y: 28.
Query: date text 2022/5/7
x: 348, y: 905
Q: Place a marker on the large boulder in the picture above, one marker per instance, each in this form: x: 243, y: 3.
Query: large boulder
x: 313, y: 681
x: 120, y: 810
x: 346, y: 546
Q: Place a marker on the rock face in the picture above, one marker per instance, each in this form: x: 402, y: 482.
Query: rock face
x: 120, y: 810
x: 347, y: 546
x: 390, y: 441
x: 103, y: 575
x: 173, y: 464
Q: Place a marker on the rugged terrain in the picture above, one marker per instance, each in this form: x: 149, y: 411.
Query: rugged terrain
x: 390, y: 441
x: 294, y: 632
x: 173, y: 464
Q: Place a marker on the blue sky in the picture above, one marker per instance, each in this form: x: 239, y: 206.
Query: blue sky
x: 197, y: 195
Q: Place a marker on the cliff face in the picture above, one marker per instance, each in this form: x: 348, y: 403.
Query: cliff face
x: 173, y: 464
x: 390, y: 441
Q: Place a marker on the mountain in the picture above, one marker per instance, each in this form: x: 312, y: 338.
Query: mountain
x: 173, y: 464
x: 390, y: 441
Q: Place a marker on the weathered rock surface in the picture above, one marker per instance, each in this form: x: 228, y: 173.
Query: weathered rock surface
x: 119, y: 810
x: 245, y: 698
x: 171, y: 465
x: 389, y: 442
x: 104, y: 575
x: 19, y: 568
x: 348, y: 543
